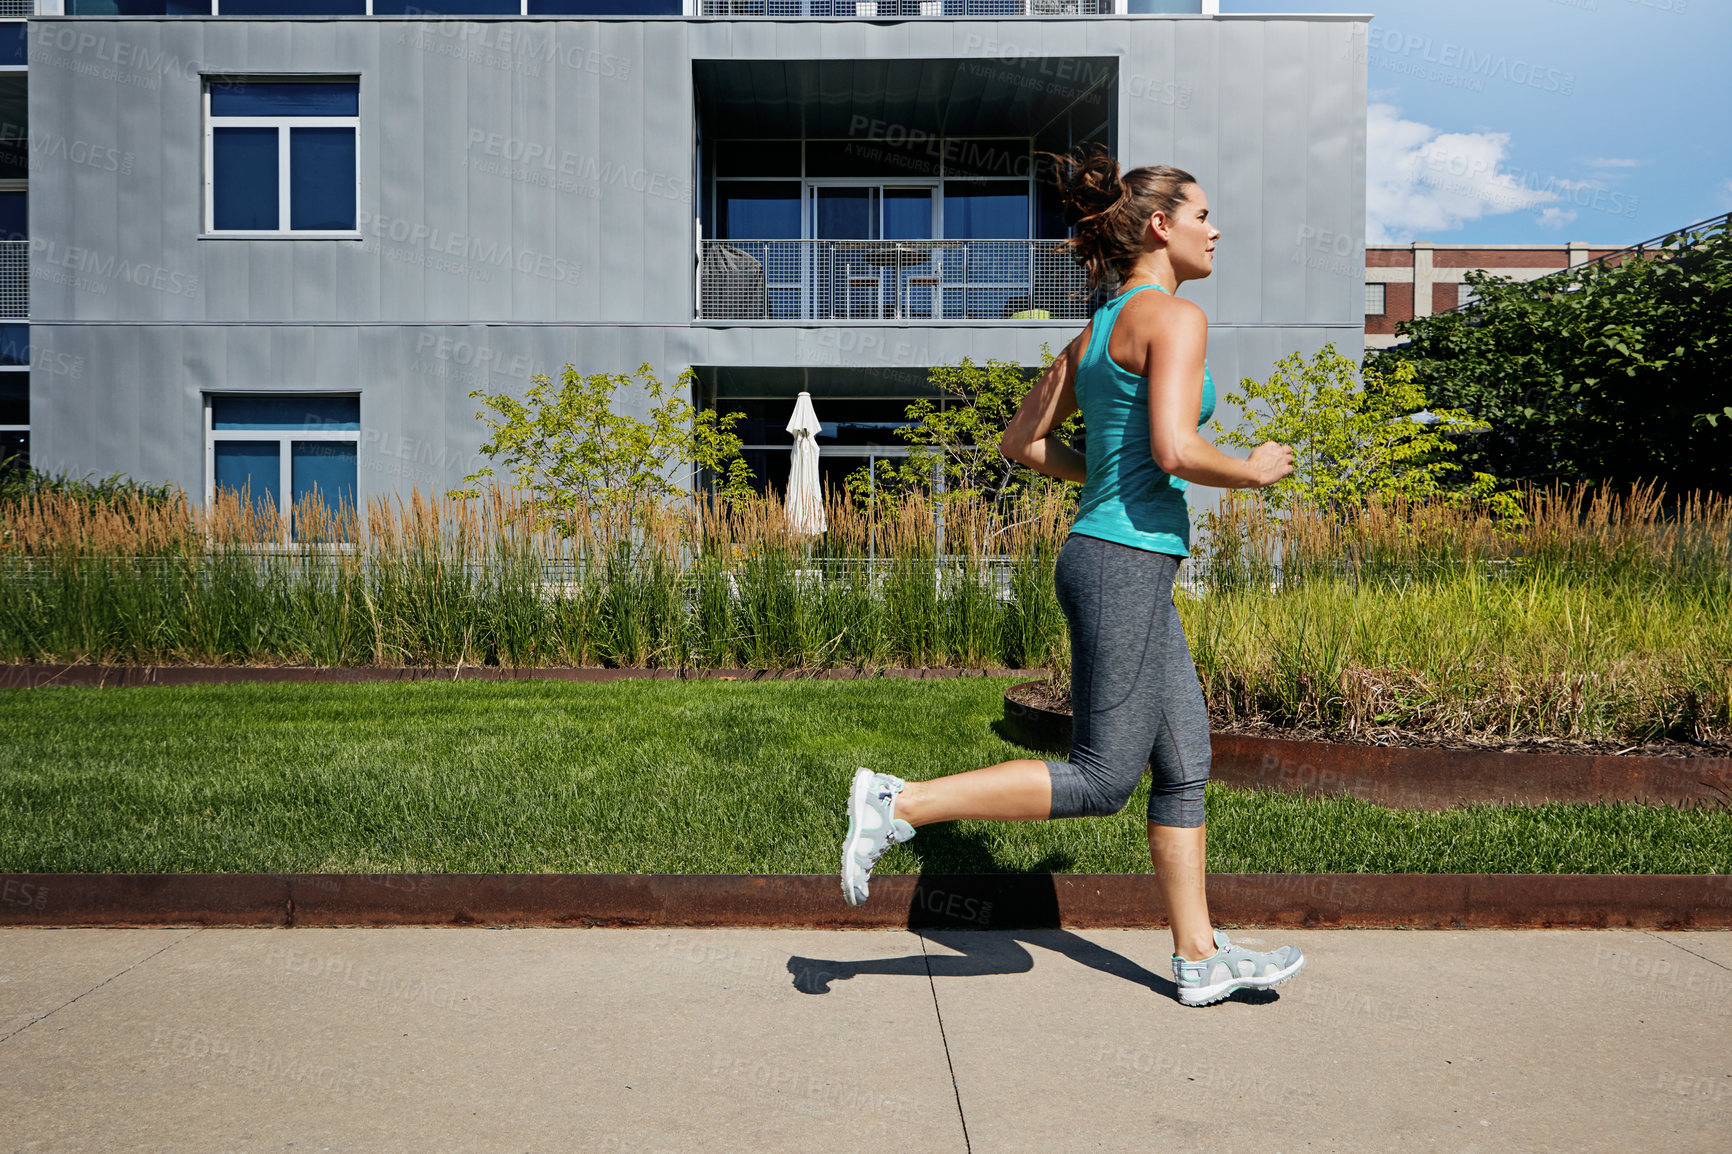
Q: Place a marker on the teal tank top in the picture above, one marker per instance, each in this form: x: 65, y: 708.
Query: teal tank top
x: 1127, y: 498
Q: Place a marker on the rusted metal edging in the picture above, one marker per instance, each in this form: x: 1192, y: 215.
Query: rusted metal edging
x: 1430, y: 777
x: 961, y: 901
x: 1426, y: 777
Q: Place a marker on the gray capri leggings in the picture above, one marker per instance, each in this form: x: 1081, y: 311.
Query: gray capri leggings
x: 1135, y: 699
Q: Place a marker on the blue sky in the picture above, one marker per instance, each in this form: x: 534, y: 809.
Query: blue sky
x: 1517, y: 121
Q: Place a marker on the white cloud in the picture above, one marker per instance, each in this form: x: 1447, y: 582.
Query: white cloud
x: 1555, y: 217
x: 1420, y: 180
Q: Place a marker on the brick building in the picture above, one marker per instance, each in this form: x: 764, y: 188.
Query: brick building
x: 1404, y: 281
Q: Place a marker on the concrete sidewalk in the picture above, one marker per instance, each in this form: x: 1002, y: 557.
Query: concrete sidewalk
x: 681, y: 1041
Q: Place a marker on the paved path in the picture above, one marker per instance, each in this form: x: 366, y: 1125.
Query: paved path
x: 677, y: 1042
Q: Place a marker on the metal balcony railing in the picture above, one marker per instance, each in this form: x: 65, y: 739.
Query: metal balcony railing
x: 881, y: 9
x: 938, y: 280
x: 14, y: 279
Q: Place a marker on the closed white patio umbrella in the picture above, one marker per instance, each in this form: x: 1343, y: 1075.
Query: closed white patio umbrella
x: 805, y: 503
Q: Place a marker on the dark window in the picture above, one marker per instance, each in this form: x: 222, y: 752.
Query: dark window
x: 14, y: 398
x: 14, y: 450
x: 325, y: 469
x: 244, y: 178
x: 986, y: 157
x: 758, y: 209
x: 14, y: 43
x: 985, y: 209
x: 285, y: 412
x: 605, y: 8
x: 436, y: 8
x: 908, y: 213
x: 14, y: 344
x: 14, y: 215
x: 845, y: 420
x: 757, y: 158
x: 322, y: 178
x: 284, y: 98
x: 294, y: 8
x: 137, y: 8
x: 846, y: 213
x: 868, y: 157
x: 246, y: 159
x: 1048, y: 211
x: 252, y: 469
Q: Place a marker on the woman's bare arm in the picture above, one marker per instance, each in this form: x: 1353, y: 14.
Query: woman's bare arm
x: 1175, y: 364
x: 1028, y: 439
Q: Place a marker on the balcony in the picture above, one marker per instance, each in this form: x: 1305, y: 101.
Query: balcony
x: 885, y: 280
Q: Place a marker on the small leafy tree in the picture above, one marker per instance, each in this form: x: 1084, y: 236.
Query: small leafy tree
x: 956, y: 447
x: 1354, y: 440
x: 573, y: 452
x: 1600, y: 372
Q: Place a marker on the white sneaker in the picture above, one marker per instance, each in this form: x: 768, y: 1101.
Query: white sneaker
x: 1232, y: 968
x: 873, y: 828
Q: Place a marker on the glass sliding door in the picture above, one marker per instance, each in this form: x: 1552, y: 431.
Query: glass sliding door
x: 865, y: 272
x: 909, y: 215
x: 848, y: 278
x: 989, y: 277
x: 759, y: 274
x: 845, y: 212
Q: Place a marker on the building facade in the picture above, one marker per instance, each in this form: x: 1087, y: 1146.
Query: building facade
x: 1404, y: 281
x: 279, y: 242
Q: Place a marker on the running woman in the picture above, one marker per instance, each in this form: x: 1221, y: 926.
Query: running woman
x: 1139, y: 373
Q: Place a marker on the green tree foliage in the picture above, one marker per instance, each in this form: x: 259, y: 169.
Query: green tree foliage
x: 1353, y: 440
x: 1604, y: 372
x: 114, y: 489
x: 955, y: 446
x: 568, y: 446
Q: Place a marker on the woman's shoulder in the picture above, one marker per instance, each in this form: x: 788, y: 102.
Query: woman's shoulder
x: 1167, y: 309
x: 1156, y: 317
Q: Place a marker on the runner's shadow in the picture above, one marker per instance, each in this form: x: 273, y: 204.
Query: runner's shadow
x: 988, y: 918
x: 978, y: 953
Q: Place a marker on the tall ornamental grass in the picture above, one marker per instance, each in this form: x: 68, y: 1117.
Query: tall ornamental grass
x: 1593, y: 615
x: 440, y: 581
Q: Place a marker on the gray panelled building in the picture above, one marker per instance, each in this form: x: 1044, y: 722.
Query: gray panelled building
x: 277, y: 242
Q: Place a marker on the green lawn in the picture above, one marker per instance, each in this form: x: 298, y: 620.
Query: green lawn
x: 659, y: 776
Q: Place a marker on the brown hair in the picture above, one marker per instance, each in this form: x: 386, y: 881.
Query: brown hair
x: 1109, y: 210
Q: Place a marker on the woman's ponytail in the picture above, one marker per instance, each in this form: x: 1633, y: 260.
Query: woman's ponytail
x: 1109, y: 210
